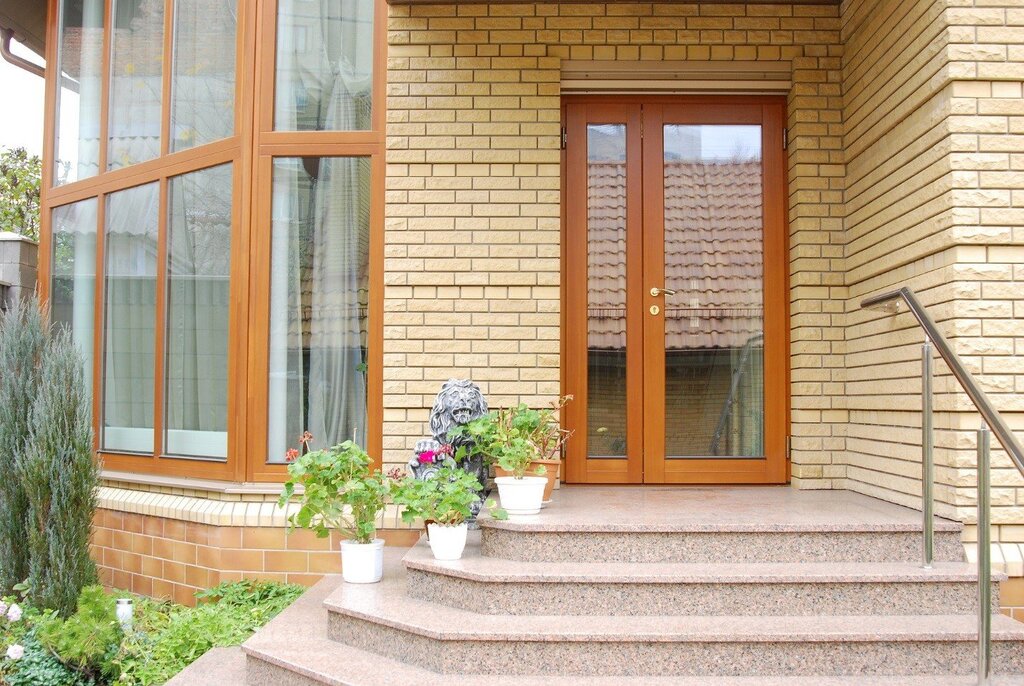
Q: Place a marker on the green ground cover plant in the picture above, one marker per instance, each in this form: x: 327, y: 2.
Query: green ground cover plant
x: 90, y: 648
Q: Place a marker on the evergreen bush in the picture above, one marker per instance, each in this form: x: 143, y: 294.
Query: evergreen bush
x: 22, y: 340
x: 60, y: 477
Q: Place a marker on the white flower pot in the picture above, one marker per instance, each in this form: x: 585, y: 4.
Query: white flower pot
x: 362, y: 563
x: 521, y: 496
x: 447, y: 542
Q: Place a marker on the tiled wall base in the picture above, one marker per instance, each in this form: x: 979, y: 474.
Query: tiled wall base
x: 170, y: 558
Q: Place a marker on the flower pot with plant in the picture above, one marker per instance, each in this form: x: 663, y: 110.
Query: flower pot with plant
x: 340, y: 492
x: 520, y: 441
x: 544, y: 430
x: 444, y: 503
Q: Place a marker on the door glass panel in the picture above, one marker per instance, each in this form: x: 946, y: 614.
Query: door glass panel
x: 714, y: 345
x: 606, y: 287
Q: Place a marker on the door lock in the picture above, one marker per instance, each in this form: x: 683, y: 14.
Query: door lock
x: 655, y: 309
x: 658, y: 291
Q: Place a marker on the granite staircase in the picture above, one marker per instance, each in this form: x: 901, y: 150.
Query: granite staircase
x: 724, y: 587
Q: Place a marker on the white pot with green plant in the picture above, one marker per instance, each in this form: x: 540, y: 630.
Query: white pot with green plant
x: 521, y: 443
x: 443, y: 502
x: 340, y: 492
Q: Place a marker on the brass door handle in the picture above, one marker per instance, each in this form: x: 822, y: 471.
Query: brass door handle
x: 658, y: 291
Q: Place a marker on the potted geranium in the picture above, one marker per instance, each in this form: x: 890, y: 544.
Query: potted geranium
x: 443, y: 502
x: 340, y: 492
x: 525, y: 447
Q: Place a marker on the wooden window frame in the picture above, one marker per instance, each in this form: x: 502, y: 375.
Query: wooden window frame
x: 249, y: 150
x: 267, y: 145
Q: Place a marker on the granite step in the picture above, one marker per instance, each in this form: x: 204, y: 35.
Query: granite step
x: 517, y: 542
x: 222, y: 666
x: 490, y: 585
x: 293, y: 650
x: 323, y: 663
x: 382, y: 617
x: 765, y: 524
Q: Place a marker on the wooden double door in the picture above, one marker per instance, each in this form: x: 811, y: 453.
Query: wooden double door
x: 675, y: 289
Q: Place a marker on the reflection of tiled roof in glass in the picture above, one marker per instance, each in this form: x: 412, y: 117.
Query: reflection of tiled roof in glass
x: 713, y: 254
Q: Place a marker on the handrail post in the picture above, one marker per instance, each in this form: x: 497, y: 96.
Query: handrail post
x: 984, y: 558
x: 927, y: 454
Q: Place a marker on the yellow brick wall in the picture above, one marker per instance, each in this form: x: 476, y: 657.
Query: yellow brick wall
x: 934, y: 136
x: 473, y: 190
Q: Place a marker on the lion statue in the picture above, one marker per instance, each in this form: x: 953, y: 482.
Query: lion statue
x: 459, y: 402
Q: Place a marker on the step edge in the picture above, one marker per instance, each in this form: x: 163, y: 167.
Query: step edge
x: 634, y: 635
x: 642, y: 578
x: 539, y: 527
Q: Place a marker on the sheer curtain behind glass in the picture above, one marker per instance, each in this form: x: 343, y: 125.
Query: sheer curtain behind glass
x: 324, y: 65
x: 130, y: 249
x: 73, y: 275
x: 203, y: 73
x: 318, y: 300
x: 80, y: 65
x: 136, y: 82
x: 198, y: 271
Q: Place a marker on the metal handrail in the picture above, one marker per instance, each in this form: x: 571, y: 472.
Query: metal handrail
x: 933, y: 337
x: 989, y: 413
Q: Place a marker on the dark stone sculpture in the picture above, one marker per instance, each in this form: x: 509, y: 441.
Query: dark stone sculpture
x: 459, y: 402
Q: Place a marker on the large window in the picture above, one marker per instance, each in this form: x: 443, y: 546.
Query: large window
x: 212, y: 226
x: 318, y: 300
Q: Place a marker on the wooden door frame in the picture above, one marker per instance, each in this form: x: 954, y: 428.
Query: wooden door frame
x: 574, y: 299
x: 774, y: 468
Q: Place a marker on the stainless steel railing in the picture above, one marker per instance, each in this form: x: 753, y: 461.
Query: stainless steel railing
x: 892, y: 301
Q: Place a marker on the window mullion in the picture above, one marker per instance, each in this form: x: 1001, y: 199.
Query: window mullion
x: 166, y: 74
x: 108, y: 51
x: 160, y: 325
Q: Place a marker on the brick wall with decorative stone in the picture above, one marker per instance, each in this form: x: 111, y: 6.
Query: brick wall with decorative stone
x: 472, y: 225
x: 934, y: 138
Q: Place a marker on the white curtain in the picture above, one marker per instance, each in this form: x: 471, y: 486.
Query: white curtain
x: 320, y: 229
x: 203, y: 84
x: 199, y: 267
x: 318, y: 301
x: 324, y: 65
x: 136, y: 82
x: 130, y: 294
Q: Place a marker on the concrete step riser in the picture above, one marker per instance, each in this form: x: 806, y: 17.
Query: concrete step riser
x: 815, y: 546
x: 696, y: 599
x: 590, y: 658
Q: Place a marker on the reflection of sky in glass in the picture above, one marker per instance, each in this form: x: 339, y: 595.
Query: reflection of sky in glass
x: 606, y: 142
x: 713, y: 143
